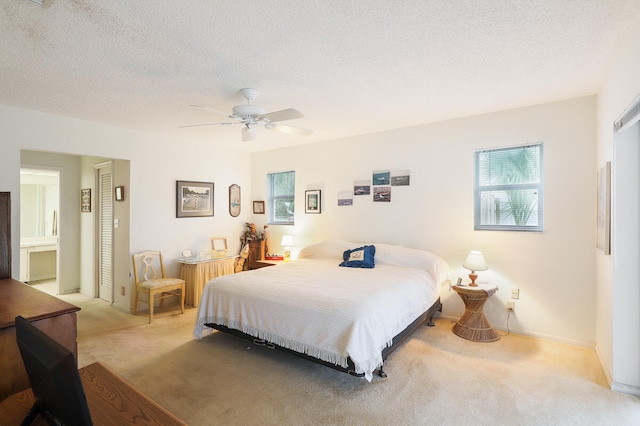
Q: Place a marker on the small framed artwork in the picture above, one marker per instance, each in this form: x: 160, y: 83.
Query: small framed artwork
x: 194, y: 199
x: 400, y: 177
x: 604, y: 208
x: 382, y: 194
x: 312, y: 201
x: 362, y: 187
x: 234, y: 200
x: 381, y: 177
x: 258, y: 207
x: 119, y: 192
x: 219, y: 246
x: 85, y: 200
x: 345, y: 198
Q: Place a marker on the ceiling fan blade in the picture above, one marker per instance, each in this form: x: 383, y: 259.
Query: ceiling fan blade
x: 248, y: 134
x: 206, y: 124
x: 282, y: 128
x: 285, y: 114
x: 217, y: 111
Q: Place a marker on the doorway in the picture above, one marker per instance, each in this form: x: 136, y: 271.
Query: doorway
x: 39, y: 210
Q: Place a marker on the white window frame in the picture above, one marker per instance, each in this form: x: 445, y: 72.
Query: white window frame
x: 479, y: 190
x: 273, y: 200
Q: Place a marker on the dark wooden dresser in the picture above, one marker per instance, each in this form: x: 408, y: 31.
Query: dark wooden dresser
x: 55, y: 317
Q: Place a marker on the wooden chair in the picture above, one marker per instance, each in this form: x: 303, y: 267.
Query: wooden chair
x: 145, y: 274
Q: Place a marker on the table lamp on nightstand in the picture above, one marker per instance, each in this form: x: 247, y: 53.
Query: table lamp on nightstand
x: 287, y: 242
x: 475, y: 262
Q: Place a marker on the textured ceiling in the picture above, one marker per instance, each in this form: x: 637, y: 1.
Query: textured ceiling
x: 352, y: 67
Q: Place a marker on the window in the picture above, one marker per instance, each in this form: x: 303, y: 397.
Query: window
x: 282, y: 198
x: 508, y: 188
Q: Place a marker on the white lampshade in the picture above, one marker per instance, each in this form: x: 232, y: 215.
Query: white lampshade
x: 475, y: 261
x: 287, y: 240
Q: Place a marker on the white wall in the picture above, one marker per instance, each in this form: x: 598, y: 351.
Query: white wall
x: 156, y: 162
x: 554, y: 269
x: 618, y: 340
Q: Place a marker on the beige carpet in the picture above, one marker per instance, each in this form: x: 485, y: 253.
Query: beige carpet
x: 435, y: 378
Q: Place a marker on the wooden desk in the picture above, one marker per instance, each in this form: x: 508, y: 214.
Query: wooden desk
x: 473, y: 325
x: 196, y: 273
x: 111, y: 401
x: 53, y: 316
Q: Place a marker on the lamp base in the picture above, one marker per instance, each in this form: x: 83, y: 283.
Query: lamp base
x: 473, y: 276
x: 287, y: 255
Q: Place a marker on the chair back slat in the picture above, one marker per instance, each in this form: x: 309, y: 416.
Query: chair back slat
x: 150, y: 262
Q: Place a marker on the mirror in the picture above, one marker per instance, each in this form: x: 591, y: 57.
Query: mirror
x: 39, y: 203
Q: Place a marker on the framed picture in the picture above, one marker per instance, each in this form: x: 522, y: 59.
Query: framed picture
x: 345, y: 198
x: 194, y: 199
x: 362, y: 187
x: 219, y: 246
x: 119, y: 191
x: 234, y: 200
x: 258, y: 207
x: 312, y: 201
x: 400, y: 177
x: 85, y: 200
x: 381, y: 177
x: 604, y: 208
x: 382, y: 194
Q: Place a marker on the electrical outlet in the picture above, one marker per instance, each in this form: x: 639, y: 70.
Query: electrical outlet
x: 511, y: 306
x: 122, y: 290
x: 515, y: 293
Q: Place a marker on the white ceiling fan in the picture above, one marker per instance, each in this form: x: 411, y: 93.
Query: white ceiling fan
x: 251, y: 116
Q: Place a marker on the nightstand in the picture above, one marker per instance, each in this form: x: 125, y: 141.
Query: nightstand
x: 473, y: 325
x: 266, y: 262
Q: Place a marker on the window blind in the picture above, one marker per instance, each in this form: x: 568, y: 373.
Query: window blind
x: 508, y: 188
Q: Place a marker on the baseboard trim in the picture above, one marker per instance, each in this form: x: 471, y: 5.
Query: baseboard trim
x: 589, y: 345
x: 605, y: 370
x: 628, y: 389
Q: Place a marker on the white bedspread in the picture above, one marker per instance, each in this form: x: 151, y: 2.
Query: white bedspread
x: 315, y: 307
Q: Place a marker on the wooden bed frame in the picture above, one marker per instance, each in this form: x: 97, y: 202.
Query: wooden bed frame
x: 396, y: 342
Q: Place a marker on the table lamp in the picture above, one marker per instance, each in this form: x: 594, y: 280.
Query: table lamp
x: 287, y: 242
x: 475, y: 262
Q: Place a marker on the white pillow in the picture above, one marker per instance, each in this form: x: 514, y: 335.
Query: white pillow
x: 328, y: 249
x: 414, y: 258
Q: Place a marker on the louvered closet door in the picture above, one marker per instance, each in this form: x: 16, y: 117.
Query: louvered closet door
x: 105, y: 243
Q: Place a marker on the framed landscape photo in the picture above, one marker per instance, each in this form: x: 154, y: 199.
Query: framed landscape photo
x: 194, y: 199
x: 234, y: 200
x: 258, y: 207
x: 312, y: 201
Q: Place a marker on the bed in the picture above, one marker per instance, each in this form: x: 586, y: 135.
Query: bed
x: 348, y: 318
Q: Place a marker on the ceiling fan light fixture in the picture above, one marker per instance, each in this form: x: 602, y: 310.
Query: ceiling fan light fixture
x: 247, y: 111
x: 250, y: 116
x: 248, y: 133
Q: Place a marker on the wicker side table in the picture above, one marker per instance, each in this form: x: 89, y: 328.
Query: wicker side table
x: 473, y: 325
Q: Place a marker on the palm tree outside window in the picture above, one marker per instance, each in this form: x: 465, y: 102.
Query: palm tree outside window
x: 509, y: 188
x: 282, y: 186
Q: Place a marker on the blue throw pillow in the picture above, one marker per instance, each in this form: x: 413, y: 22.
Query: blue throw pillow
x: 361, y: 257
